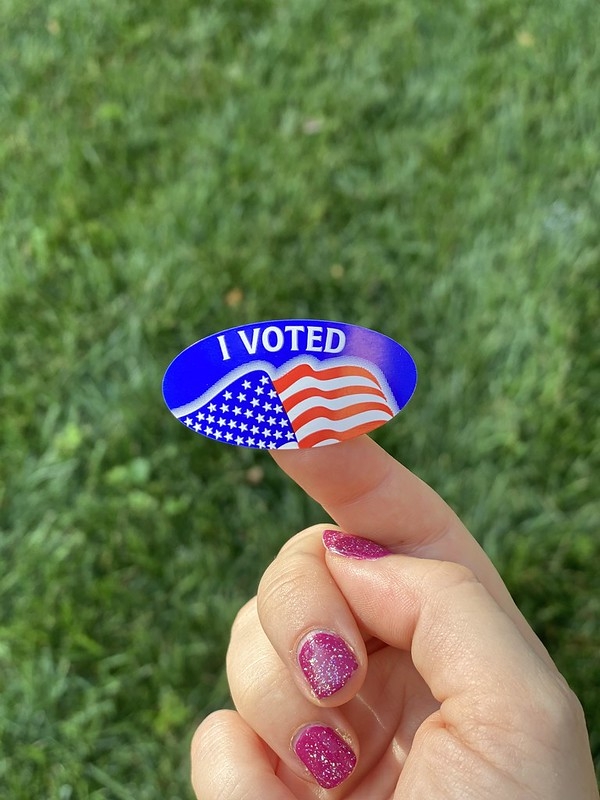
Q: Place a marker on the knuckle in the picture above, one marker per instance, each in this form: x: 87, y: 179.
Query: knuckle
x: 542, y: 710
x: 298, y: 562
x: 211, y: 748
x: 446, y: 584
x: 447, y: 575
x: 244, y: 616
x: 243, y: 630
x: 208, y: 736
x: 285, y: 581
x: 559, y: 710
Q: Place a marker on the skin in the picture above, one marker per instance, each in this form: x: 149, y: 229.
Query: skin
x: 460, y: 699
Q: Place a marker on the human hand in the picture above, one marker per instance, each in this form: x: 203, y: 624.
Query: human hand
x: 405, y: 675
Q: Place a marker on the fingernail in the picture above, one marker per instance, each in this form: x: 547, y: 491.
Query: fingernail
x: 328, y: 758
x: 343, y: 544
x: 327, y: 662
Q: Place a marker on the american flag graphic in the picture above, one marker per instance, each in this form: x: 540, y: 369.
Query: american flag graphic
x: 299, y: 405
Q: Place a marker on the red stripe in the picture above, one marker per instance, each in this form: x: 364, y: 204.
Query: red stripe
x: 305, y: 370
x: 332, y: 394
x: 340, y: 413
x: 340, y: 436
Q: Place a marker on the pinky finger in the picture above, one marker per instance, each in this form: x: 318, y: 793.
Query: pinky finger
x: 230, y: 761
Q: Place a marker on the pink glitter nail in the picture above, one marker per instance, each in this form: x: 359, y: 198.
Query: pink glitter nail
x: 325, y: 754
x: 343, y: 544
x: 327, y: 662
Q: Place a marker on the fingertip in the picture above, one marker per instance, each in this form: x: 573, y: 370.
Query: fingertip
x: 328, y: 665
x: 214, y: 735
x: 364, y: 489
x: 326, y: 753
x: 350, y: 546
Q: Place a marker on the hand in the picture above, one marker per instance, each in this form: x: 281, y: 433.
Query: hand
x: 408, y: 673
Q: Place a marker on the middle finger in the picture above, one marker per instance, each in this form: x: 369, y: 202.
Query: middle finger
x: 308, y: 622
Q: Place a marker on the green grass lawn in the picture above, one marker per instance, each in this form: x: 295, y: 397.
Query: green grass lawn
x: 431, y: 170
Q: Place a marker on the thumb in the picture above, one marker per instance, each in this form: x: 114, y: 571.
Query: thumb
x: 502, y: 705
x: 369, y: 493
x: 459, y: 637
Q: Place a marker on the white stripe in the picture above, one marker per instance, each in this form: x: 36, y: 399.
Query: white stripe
x: 331, y: 383
x: 333, y: 403
x: 326, y: 441
x: 288, y: 446
x: 322, y: 423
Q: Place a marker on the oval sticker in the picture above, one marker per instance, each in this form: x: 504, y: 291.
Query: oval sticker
x: 288, y: 384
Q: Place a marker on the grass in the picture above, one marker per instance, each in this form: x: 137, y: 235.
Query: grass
x: 429, y: 171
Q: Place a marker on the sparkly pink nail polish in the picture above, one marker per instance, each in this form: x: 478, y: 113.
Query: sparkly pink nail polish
x: 327, y: 662
x: 343, y: 544
x: 325, y: 754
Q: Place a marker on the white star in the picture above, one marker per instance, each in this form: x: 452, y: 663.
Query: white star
x: 283, y: 423
x: 218, y: 434
x: 259, y: 390
x: 188, y: 421
x: 232, y: 423
x: 278, y: 434
x: 241, y: 397
x: 246, y: 384
x: 260, y: 417
x: 197, y: 427
x: 267, y: 432
x: 237, y: 411
x: 264, y: 380
x: 210, y: 419
x: 200, y: 416
x: 228, y: 436
x: 272, y: 394
x: 228, y: 395
x: 272, y: 445
x: 212, y: 407
x: 249, y: 441
x: 267, y: 406
x: 221, y: 421
x: 243, y: 426
x: 261, y: 444
x: 271, y: 420
x: 248, y: 413
x: 208, y: 431
x: 239, y: 440
x: 278, y: 409
x: 289, y: 435
x: 255, y: 402
x: 224, y: 408
x: 254, y: 429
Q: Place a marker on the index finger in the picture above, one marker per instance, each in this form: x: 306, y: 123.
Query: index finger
x: 369, y: 494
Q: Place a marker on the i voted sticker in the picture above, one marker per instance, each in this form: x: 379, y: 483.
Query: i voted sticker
x: 288, y: 384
